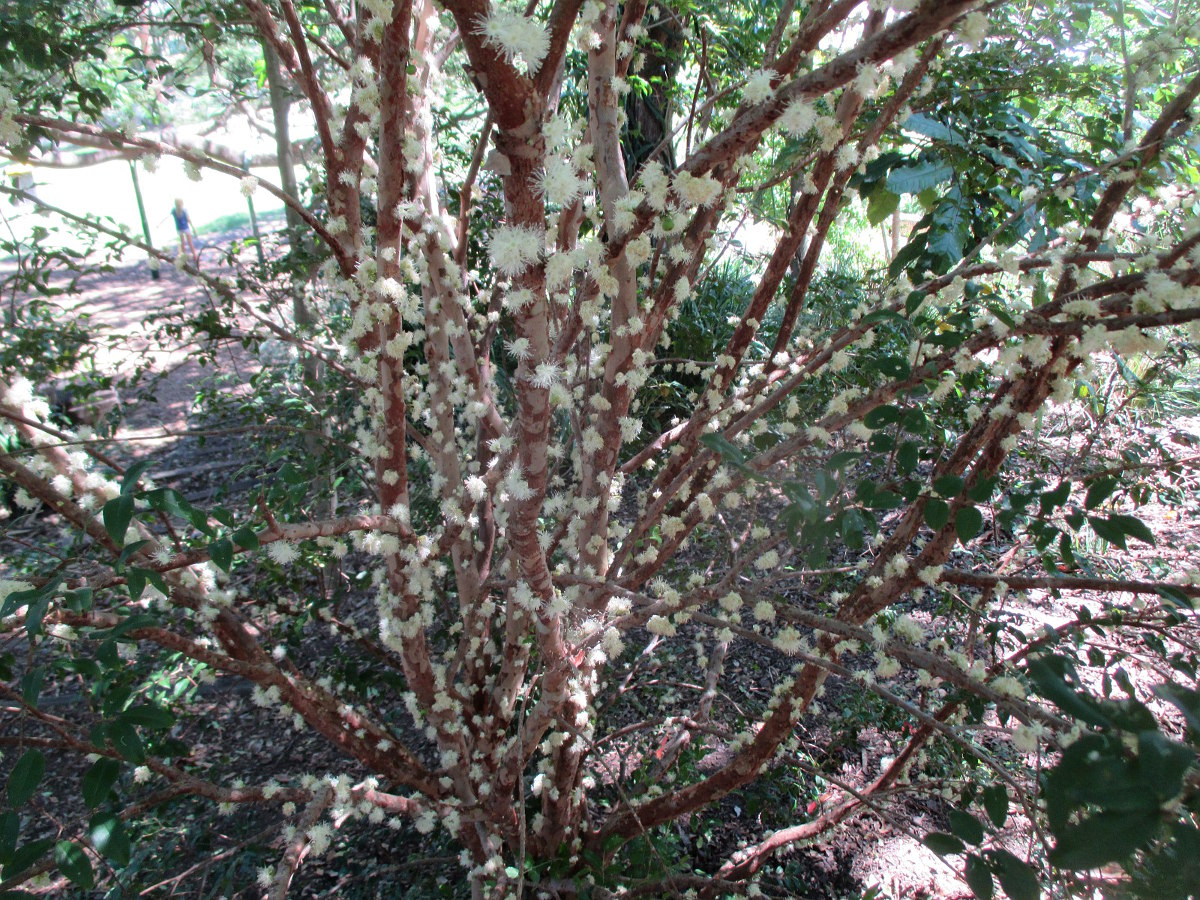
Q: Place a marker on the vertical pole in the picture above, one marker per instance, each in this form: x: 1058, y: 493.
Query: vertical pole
x: 137, y: 192
x: 262, y: 259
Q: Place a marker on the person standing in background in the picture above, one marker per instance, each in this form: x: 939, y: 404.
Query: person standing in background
x: 183, y: 227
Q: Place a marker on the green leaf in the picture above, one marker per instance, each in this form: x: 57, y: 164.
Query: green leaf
x: 125, y: 740
x: 943, y: 844
x: 1100, y: 490
x: 937, y: 513
x: 246, y: 538
x: 1134, y: 527
x: 1103, y: 838
x: 881, y: 205
x: 10, y: 832
x: 880, y: 416
x: 26, y: 856
x: 117, y: 514
x: 1055, y: 677
x: 1051, y: 500
x: 1019, y: 881
x: 148, y: 715
x: 171, y: 501
x: 919, y: 123
x: 98, y: 781
x: 1163, y: 764
x: 995, y: 802
x: 982, y: 491
x: 917, y: 178
x: 107, y: 834
x: 727, y: 449
x: 979, y: 878
x: 968, y: 522
x: 74, y: 863
x: 966, y: 826
x: 948, y: 485
x: 31, y: 685
x: 907, y: 455
x: 23, y: 781
x: 132, y: 474
x: 221, y: 551
x: 1108, y: 530
x: 1185, y: 700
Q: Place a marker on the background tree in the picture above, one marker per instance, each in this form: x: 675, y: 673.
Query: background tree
x: 533, y: 490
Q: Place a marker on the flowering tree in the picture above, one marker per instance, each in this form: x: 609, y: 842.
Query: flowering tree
x: 501, y: 313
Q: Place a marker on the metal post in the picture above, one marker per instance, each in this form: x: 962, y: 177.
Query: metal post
x: 262, y: 259
x: 137, y: 192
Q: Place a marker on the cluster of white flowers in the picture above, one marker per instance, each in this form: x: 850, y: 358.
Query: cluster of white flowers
x: 799, y: 118
x: 693, y: 190
x: 758, y: 87
x: 560, y: 183
x: 515, y: 35
x: 513, y: 249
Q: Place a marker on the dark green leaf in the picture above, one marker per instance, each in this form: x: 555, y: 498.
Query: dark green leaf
x: 98, y: 781
x: 1103, y: 838
x: 880, y: 416
x: 978, y: 877
x: 31, y: 685
x: 1055, y: 679
x: 125, y: 740
x: 1134, y: 527
x: 1019, y: 881
x: 1100, y: 490
x: 117, y: 514
x: 937, y: 513
x: 26, y: 856
x: 23, y: 781
x: 948, y: 485
x: 1051, y: 500
x: 1185, y: 700
x: 966, y: 826
x: 148, y: 715
x: 943, y: 844
x: 10, y: 833
x: 74, y: 863
x: 1108, y: 530
x: 107, y: 834
x: 967, y: 523
x: 995, y: 801
x: 982, y: 490
x: 246, y: 538
x: 132, y: 474
x: 221, y: 551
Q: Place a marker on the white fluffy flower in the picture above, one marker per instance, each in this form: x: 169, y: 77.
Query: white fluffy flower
x: 660, y: 625
x: 973, y: 30
x: 758, y: 87
x: 799, y: 118
x: 513, y: 249
x: 544, y: 375
x: 513, y: 35
x: 559, y: 182
x: 696, y: 191
x: 1025, y: 737
x: 282, y: 552
x: 248, y: 186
